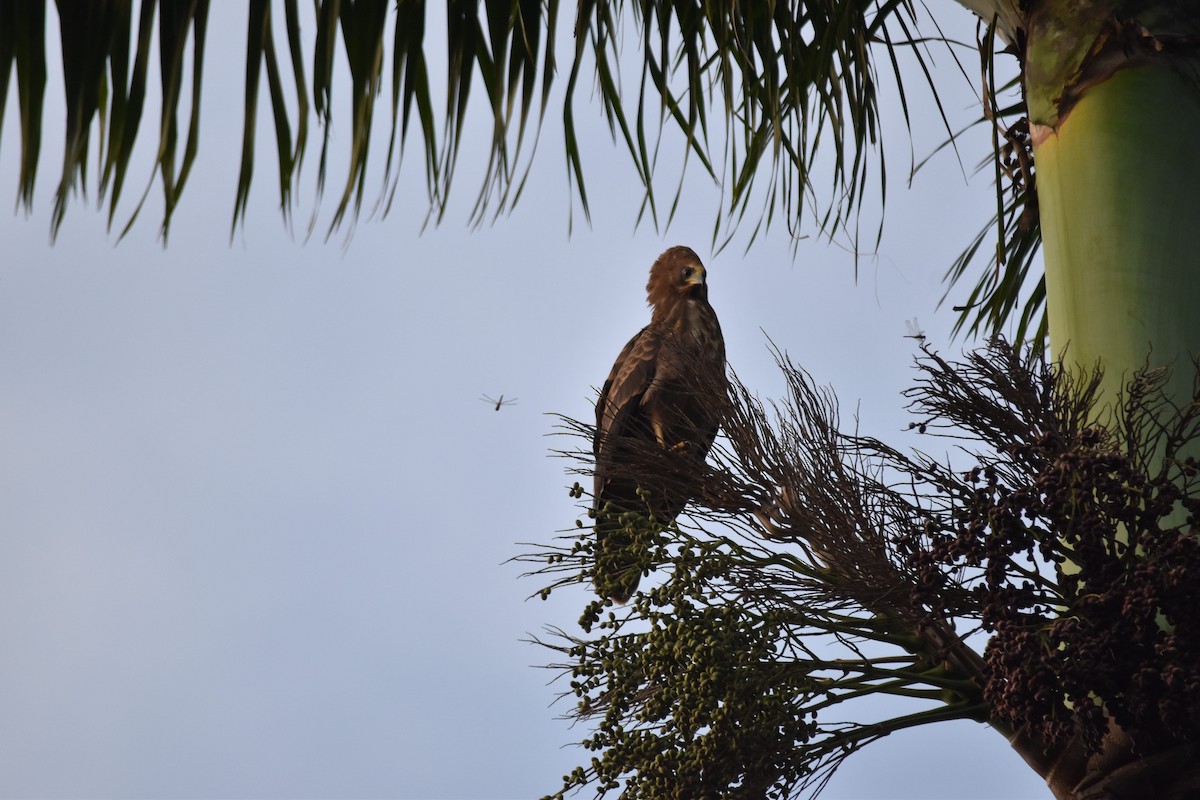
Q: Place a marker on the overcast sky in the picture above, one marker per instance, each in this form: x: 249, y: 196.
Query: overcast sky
x: 255, y: 515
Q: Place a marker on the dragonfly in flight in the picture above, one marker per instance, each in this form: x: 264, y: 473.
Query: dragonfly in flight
x: 500, y: 402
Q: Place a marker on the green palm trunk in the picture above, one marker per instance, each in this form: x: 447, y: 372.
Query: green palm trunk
x: 1119, y: 192
x: 1113, y: 93
x: 1113, y: 97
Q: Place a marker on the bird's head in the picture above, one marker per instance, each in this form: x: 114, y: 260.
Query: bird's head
x: 676, y: 274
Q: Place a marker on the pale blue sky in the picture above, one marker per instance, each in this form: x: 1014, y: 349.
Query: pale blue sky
x: 255, y: 515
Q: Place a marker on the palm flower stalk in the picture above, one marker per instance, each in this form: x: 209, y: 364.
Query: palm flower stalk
x: 1042, y: 586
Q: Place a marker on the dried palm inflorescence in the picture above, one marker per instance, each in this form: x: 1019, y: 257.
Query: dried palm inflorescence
x: 821, y: 567
x: 1071, y: 541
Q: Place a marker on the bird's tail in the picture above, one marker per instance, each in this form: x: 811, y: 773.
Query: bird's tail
x: 625, y: 545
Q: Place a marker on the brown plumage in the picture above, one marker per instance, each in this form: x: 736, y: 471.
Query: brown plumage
x: 657, y: 416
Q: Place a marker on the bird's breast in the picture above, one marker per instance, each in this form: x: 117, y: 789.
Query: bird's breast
x: 700, y: 325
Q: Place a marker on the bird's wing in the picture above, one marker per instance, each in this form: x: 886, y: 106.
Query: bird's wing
x: 631, y: 376
x: 617, y: 412
x: 620, y: 403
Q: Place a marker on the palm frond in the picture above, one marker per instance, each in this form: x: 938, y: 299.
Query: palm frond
x: 777, y: 103
x: 23, y: 44
x: 1009, y: 285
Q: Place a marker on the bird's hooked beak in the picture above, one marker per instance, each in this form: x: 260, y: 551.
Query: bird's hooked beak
x: 698, y: 276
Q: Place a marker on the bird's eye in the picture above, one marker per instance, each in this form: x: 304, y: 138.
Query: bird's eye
x: 688, y: 272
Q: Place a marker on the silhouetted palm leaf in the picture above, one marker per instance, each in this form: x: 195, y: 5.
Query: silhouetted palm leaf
x: 777, y: 102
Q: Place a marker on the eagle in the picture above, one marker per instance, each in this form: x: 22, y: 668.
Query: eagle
x: 656, y: 418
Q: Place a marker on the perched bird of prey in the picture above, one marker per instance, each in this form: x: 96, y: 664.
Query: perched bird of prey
x: 657, y: 416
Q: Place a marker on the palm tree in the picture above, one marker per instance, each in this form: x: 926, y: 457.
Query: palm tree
x: 1093, y: 158
x: 1112, y: 95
